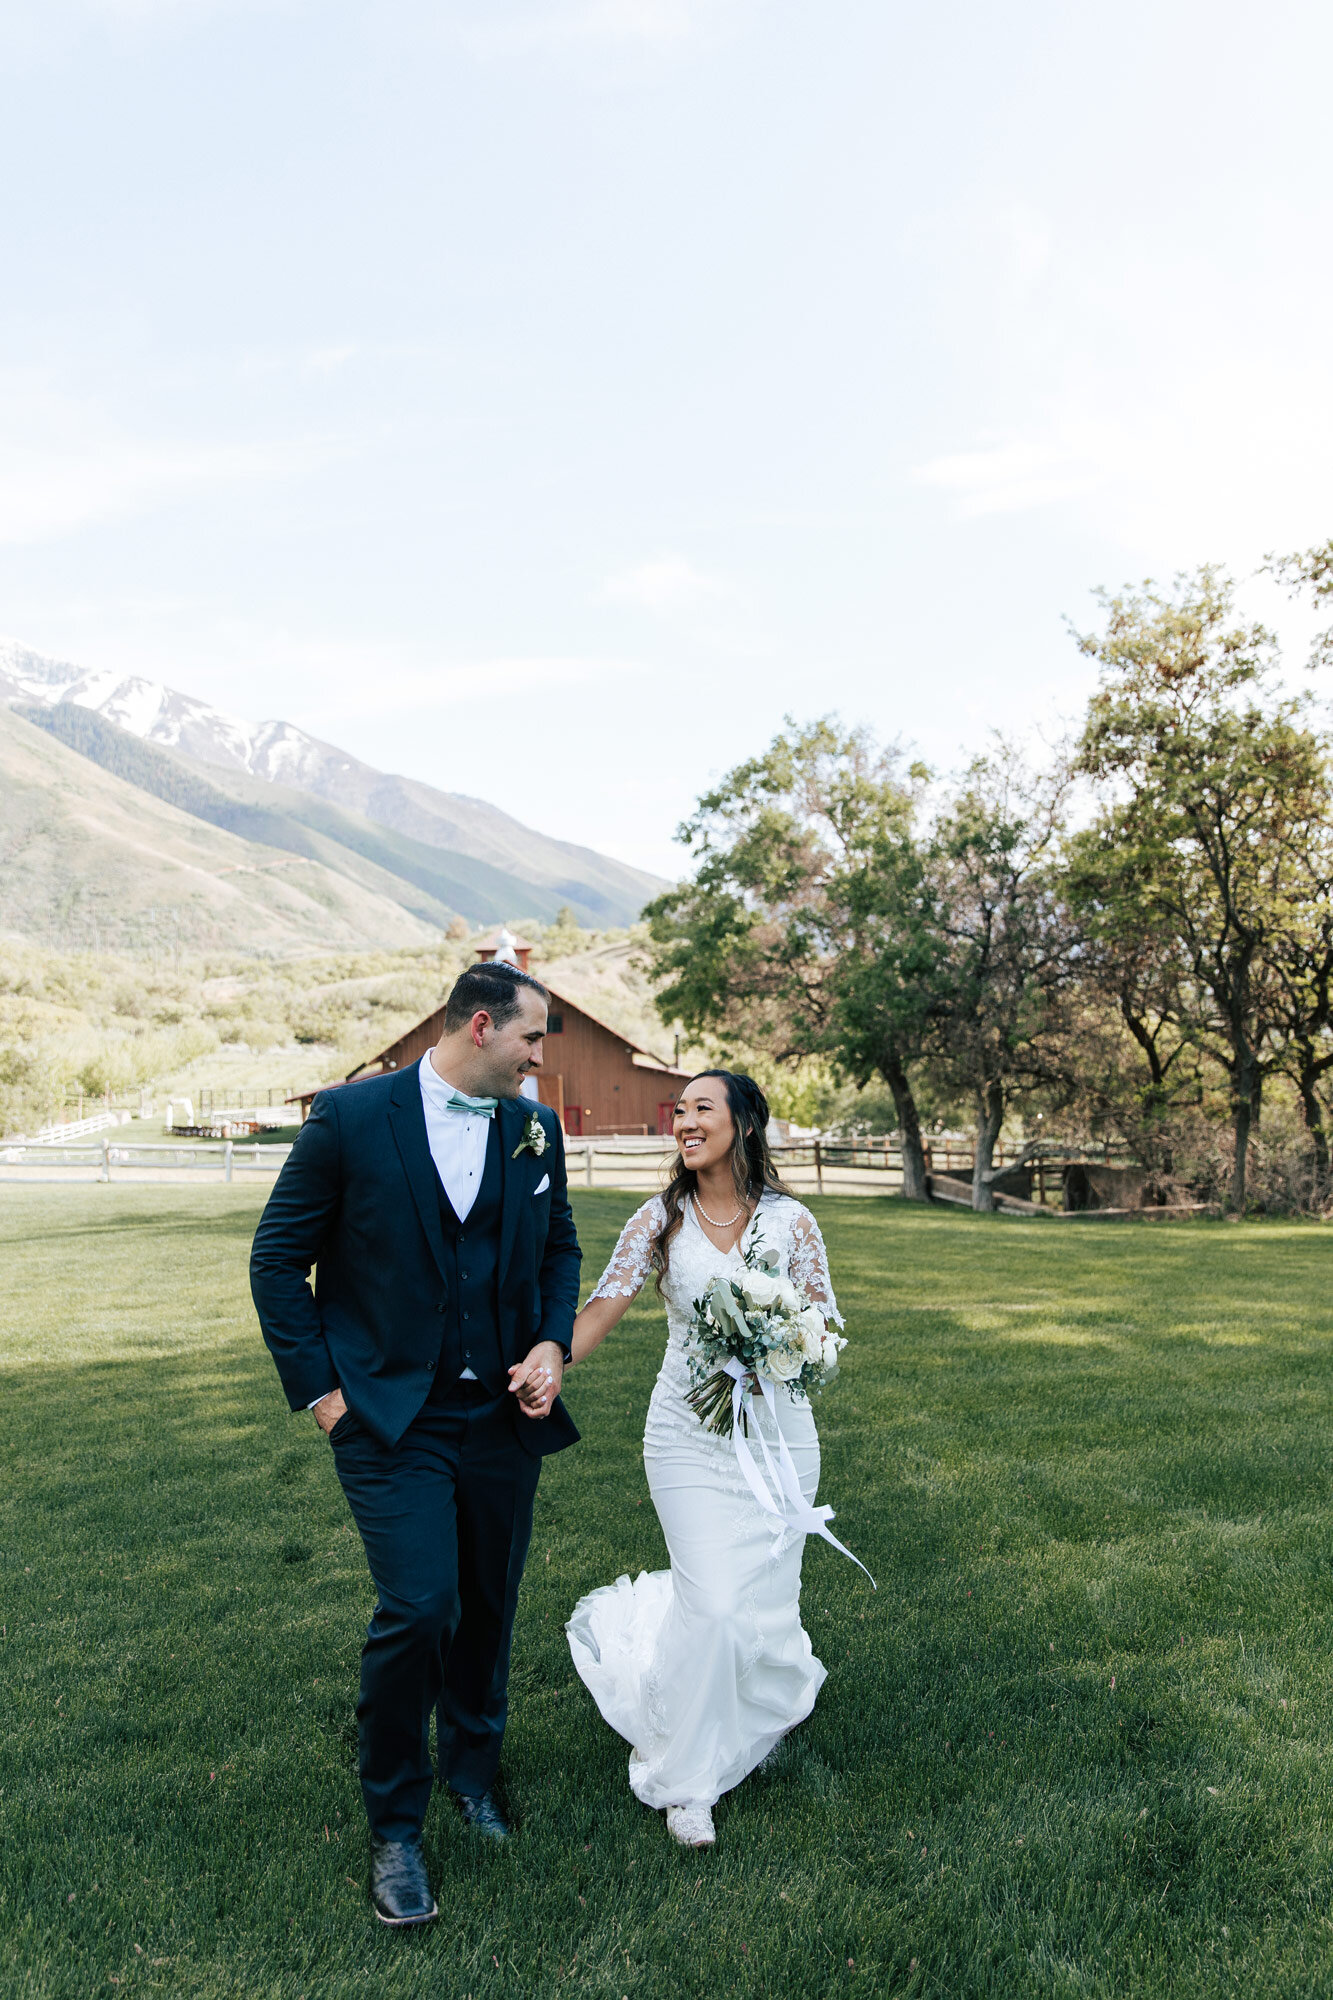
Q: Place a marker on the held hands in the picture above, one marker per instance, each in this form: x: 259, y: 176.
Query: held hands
x: 536, y: 1380
x: 329, y: 1408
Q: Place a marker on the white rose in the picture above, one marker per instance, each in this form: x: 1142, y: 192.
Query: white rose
x: 760, y: 1289
x: 784, y: 1364
x: 811, y: 1324
x: 829, y: 1350
x: 787, y: 1296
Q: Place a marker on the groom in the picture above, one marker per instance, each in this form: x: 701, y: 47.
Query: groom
x: 431, y: 1351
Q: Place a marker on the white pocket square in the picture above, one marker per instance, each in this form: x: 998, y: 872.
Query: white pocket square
x: 542, y: 1184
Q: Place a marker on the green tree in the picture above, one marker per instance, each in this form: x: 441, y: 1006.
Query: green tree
x: 807, y: 928
x: 1212, y: 786
x: 1139, y: 1063
x: 998, y: 1016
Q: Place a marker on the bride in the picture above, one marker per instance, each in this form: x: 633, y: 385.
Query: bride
x: 704, y: 1667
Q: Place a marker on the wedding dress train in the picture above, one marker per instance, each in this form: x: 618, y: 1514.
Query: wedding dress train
x: 704, y: 1667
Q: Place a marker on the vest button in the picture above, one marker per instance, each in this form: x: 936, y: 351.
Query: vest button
x: 462, y: 1274
x: 440, y: 1308
x: 430, y: 1367
x: 467, y: 1315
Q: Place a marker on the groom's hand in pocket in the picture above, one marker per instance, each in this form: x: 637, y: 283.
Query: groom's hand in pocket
x: 328, y: 1410
x: 536, y: 1380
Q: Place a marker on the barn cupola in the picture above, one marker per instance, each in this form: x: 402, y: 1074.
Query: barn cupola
x: 502, y: 947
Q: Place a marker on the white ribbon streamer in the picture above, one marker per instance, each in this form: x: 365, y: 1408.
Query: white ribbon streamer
x: 790, y: 1508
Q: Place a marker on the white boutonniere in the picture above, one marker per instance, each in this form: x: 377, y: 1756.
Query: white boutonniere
x: 533, y: 1140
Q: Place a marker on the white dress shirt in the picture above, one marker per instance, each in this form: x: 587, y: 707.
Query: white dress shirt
x: 457, y: 1139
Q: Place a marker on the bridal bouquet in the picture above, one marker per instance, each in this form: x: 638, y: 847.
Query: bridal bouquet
x: 764, y: 1322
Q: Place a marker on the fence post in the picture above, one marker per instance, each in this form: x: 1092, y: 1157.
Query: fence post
x: 587, y: 1164
x: 819, y: 1168
x: 226, y: 1160
x: 106, y: 1161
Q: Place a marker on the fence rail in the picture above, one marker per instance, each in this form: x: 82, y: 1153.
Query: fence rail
x: 134, y: 1160
x: 78, y: 1128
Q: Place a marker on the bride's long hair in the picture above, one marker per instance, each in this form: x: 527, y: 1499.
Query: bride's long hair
x: 752, y: 1171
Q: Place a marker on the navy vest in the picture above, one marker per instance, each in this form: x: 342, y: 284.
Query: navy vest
x: 472, y: 1268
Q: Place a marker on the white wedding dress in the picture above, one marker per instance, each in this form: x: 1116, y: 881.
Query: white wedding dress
x: 704, y: 1667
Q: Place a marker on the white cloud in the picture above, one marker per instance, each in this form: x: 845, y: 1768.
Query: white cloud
x: 659, y: 24
x: 638, y: 20
x: 1223, y: 456
x: 664, y: 584
x: 328, y: 360
x: 1008, y: 475
x: 65, y: 464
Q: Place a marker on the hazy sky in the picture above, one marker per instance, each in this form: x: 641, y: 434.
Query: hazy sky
x: 542, y: 399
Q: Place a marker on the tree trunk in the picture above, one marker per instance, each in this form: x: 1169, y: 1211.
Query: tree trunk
x: 909, y: 1128
x: 990, y: 1117
x: 1313, y: 1113
x: 1244, y: 1092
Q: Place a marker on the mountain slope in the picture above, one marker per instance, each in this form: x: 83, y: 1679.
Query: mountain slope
x: 600, y: 890
x: 447, y: 883
x: 89, y: 861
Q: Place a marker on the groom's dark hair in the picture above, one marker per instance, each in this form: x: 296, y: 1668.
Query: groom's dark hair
x: 492, y: 988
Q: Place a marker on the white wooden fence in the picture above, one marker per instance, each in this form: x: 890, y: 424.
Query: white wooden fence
x: 135, y: 1160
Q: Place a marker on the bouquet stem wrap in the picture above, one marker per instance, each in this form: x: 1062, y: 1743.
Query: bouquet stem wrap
x: 790, y: 1508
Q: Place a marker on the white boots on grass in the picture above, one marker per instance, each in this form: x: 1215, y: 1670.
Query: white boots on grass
x: 692, y: 1826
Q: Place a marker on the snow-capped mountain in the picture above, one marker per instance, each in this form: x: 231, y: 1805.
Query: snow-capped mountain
x: 609, y: 891
x: 158, y: 714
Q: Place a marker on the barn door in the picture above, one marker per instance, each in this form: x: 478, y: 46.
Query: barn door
x: 551, y: 1090
x: 666, y: 1112
x: 573, y: 1121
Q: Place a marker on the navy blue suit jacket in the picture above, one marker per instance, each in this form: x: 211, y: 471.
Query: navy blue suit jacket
x: 359, y: 1199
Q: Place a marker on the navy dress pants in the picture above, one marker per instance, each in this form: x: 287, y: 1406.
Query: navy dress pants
x: 445, y: 1516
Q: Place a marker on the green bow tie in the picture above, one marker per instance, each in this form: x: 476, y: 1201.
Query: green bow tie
x: 478, y: 1107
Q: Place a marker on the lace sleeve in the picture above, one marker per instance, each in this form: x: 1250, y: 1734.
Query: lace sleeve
x: 632, y: 1259
x: 808, y: 1266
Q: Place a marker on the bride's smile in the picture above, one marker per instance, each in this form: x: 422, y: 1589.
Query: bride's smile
x: 702, y: 1126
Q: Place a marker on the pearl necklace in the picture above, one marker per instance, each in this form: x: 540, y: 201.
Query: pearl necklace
x: 718, y: 1225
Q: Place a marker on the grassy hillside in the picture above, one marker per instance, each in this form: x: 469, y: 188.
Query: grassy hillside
x: 88, y: 860
x: 94, y: 1022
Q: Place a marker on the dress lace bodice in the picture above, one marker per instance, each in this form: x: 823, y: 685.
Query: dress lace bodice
x: 694, y: 1259
x: 693, y: 1262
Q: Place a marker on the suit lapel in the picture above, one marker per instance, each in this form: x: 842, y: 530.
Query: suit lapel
x: 512, y: 1116
x: 407, y: 1121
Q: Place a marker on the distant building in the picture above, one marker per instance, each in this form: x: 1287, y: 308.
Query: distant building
x: 598, y: 1080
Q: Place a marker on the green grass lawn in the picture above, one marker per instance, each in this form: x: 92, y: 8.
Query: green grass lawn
x: 1078, y: 1744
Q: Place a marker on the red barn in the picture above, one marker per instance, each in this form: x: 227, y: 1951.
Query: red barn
x: 598, y: 1080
